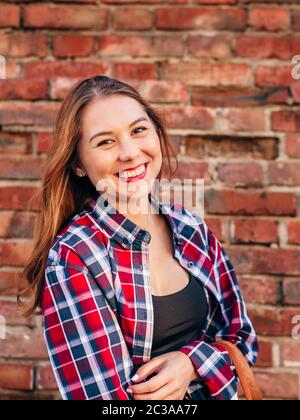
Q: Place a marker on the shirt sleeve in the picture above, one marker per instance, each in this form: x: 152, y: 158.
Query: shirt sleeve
x: 213, y: 364
x: 85, y: 344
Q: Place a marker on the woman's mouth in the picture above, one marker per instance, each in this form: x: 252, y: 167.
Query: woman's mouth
x: 135, y: 175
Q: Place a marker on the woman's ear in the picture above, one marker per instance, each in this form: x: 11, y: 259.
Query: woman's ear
x: 77, y: 170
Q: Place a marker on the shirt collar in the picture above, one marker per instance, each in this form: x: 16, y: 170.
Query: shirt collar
x: 119, y: 227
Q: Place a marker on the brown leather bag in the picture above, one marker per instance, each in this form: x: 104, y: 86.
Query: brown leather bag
x: 243, y: 370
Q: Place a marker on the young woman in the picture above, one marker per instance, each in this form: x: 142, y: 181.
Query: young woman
x: 133, y: 302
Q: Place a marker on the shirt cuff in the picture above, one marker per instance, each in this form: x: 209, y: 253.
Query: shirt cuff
x: 214, y: 368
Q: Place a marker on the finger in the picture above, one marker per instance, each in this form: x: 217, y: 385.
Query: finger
x: 152, y: 384
x: 161, y: 394
x: 173, y: 397
x: 148, y: 368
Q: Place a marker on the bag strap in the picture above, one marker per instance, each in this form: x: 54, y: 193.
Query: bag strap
x: 243, y: 370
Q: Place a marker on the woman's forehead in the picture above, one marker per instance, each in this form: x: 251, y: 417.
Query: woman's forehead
x: 113, y: 108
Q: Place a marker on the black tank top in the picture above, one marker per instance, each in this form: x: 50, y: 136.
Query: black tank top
x: 179, y: 317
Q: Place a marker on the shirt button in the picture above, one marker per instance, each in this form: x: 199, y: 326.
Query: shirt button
x: 141, y: 267
x: 191, y: 264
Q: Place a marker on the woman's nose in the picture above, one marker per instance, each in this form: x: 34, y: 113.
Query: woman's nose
x: 129, y: 151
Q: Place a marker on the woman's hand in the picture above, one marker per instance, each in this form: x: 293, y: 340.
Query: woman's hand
x: 175, y: 371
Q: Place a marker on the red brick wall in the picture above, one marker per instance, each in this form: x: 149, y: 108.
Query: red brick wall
x: 222, y: 71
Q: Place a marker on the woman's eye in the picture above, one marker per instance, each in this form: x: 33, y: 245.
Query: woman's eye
x: 143, y: 128
x: 105, y: 141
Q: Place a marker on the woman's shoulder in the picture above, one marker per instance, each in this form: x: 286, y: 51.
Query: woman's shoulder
x: 190, y: 220
x: 75, y: 237
x: 195, y: 228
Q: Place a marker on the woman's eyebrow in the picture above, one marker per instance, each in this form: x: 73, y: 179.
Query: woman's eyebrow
x: 102, y: 133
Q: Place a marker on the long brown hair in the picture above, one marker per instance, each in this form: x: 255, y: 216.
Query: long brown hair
x: 63, y: 193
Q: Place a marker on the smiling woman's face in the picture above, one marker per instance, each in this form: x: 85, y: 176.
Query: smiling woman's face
x: 127, y: 146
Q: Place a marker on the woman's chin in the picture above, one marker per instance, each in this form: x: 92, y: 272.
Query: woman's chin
x: 130, y: 189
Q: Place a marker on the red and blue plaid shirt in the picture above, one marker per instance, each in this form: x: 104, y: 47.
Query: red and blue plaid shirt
x: 98, y: 312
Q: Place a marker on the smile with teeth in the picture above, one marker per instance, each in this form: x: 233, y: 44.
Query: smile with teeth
x: 131, y: 174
